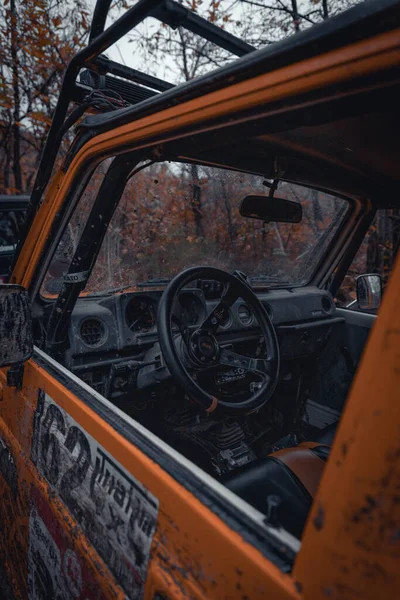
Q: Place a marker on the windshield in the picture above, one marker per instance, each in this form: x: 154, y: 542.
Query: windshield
x: 173, y: 216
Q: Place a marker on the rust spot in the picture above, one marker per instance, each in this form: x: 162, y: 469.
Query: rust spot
x: 366, y: 510
x: 175, y: 579
x: 319, y: 519
x: 387, y: 340
x: 370, y: 570
x: 327, y: 592
x: 395, y: 537
x: 344, y: 449
x: 298, y: 586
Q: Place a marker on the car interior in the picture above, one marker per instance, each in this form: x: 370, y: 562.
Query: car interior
x: 247, y: 378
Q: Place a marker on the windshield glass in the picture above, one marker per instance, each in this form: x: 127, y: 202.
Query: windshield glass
x: 173, y: 216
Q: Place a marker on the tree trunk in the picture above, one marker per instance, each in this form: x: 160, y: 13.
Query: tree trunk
x: 295, y: 16
x: 16, y: 94
x: 7, y: 164
x: 196, y: 200
x: 317, y: 210
x: 228, y: 208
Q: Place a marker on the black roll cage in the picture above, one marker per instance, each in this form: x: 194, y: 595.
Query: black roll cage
x: 90, y: 58
x: 89, y: 70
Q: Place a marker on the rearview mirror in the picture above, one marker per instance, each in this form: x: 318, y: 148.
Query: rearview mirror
x: 16, y: 340
x: 278, y: 210
x: 369, y: 291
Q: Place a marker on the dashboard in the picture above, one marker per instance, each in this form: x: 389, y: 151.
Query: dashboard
x: 114, y: 348
x: 125, y: 324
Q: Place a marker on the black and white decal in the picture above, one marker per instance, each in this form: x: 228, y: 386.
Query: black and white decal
x: 76, y: 277
x: 56, y: 569
x: 8, y: 468
x: 117, y: 514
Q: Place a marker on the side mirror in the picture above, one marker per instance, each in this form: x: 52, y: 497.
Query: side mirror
x: 271, y: 209
x: 369, y: 291
x: 16, y: 339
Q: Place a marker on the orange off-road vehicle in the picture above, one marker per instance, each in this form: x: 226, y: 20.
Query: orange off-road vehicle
x: 184, y: 412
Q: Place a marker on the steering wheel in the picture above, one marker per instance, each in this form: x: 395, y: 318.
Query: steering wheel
x: 197, y: 348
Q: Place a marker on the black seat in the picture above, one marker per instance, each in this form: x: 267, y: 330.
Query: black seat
x: 293, y: 474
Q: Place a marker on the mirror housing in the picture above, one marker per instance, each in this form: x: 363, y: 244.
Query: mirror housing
x: 369, y: 291
x: 271, y: 209
x: 16, y: 339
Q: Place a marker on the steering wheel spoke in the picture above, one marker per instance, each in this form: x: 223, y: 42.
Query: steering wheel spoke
x: 217, y: 315
x: 179, y: 318
x: 260, y: 366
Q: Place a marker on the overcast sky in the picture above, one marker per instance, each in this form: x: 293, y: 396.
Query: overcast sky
x: 124, y: 50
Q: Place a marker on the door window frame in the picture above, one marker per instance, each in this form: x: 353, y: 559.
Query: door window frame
x: 277, y: 545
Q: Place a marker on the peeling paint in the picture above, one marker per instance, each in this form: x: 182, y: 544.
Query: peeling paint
x: 319, y: 518
x: 8, y: 468
x: 298, y: 586
x: 116, y: 513
x: 16, y: 341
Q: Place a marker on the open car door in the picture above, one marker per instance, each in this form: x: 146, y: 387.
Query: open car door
x: 92, y: 504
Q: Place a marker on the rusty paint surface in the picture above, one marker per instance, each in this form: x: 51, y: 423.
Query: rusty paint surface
x: 354, y: 550
x: 193, y: 555
x: 23, y: 493
x: 115, y: 512
x: 16, y: 342
x: 351, y: 544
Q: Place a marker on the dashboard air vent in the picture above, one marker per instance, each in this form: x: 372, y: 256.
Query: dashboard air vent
x: 93, y: 332
x: 326, y: 304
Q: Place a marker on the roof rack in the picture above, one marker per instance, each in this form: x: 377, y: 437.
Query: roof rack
x: 97, y: 73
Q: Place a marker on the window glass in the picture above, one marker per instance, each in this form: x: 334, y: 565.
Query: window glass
x: 173, y: 216
x: 375, y: 255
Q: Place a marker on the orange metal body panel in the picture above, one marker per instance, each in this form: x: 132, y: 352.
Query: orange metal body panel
x: 16, y: 422
x: 351, y: 545
x: 194, y: 553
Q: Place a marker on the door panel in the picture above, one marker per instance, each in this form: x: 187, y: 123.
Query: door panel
x: 72, y: 516
x: 358, y: 325
x: 44, y: 555
x: 56, y: 568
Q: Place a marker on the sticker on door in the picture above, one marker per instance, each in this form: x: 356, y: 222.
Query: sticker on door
x: 55, y: 569
x: 116, y: 513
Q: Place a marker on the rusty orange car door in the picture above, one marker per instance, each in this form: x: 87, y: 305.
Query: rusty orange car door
x: 86, y: 512
x: 66, y: 502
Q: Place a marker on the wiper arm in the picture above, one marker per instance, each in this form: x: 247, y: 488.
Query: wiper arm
x: 154, y: 281
x: 266, y: 279
x: 147, y: 283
